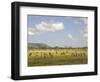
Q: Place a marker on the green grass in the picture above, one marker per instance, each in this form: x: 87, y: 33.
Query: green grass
x: 48, y: 57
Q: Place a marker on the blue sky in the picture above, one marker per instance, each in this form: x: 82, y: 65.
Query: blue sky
x: 57, y: 30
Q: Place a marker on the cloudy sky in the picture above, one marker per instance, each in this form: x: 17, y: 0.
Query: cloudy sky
x: 58, y: 30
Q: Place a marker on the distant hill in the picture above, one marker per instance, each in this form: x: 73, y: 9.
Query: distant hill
x: 38, y: 45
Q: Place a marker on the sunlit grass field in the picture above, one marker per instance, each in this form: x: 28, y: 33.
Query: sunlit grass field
x: 54, y: 56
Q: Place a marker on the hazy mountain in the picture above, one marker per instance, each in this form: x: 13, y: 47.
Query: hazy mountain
x: 38, y: 45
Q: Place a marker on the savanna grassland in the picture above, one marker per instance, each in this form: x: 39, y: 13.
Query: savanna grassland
x: 54, y: 56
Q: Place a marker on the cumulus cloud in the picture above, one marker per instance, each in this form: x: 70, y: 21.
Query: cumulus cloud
x: 81, y: 20
x: 32, y: 31
x: 70, y: 36
x: 84, y: 20
x: 85, y: 32
x: 84, y: 35
x: 46, y: 27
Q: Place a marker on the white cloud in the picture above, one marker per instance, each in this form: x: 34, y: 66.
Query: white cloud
x: 30, y: 32
x: 84, y: 30
x: 84, y: 33
x: 33, y: 31
x: 81, y: 20
x: 70, y: 36
x: 84, y: 20
x: 46, y: 27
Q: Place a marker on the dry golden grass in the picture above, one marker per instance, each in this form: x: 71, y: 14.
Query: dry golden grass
x: 64, y: 56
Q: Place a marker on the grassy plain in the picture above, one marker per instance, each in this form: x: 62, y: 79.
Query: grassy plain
x: 55, y: 56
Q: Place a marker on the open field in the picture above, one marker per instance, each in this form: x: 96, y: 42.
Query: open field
x: 54, y: 56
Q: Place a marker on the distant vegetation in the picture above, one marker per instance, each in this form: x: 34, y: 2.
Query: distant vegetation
x: 37, y: 45
x: 42, y: 45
